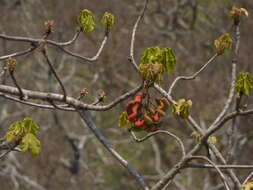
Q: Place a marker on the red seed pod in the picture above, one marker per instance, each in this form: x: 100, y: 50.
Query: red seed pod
x: 138, y: 98
x: 129, y: 107
x: 135, y: 109
x: 160, y: 112
x: 139, y: 123
x: 156, y: 117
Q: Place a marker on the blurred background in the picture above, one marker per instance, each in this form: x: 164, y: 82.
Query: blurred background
x: 71, y: 156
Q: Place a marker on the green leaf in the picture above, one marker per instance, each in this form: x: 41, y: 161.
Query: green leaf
x: 168, y: 59
x: 151, y: 55
x: 123, y: 121
x: 213, y: 139
x: 182, y: 108
x: 155, y: 62
x: 20, y: 128
x: 151, y: 72
x: 15, y: 132
x: 30, y: 126
x: 223, y: 43
x: 108, y: 20
x: 244, y: 83
x: 86, y: 21
x: 30, y: 143
x: 248, y: 186
x: 197, y: 136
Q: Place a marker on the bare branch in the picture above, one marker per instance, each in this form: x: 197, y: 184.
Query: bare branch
x: 179, y: 141
x: 192, y: 76
x: 87, y: 119
x: 16, y: 54
x: 44, y: 52
x: 209, y: 166
x: 69, y: 100
x: 132, y: 59
x: 217, y: 169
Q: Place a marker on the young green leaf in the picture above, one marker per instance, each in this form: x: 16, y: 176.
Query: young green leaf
x: 108, y: 20
x: 30, y: 126
x: 248, y: 186
x: 168, y: 59
x: 151, y: 72
x: 86, y: 21
x: 30, y: 143
x: 15, y: 132
x: 182, y: 108
x: 213, y: 139
x: 123, y: 121
x: 244, y: 83
x: 197, y: 136
x: 223, y: 43
x: 155, y: 62
x: 24, y: 132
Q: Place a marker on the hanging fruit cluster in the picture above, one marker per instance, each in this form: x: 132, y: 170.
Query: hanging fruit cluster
x: 142, y: 115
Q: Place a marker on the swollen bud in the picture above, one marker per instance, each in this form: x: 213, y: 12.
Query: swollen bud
x: 12, y: 64
x: 108, y: 20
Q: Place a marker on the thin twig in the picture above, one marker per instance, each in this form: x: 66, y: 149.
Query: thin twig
x: 21, y: 94
x: 217, y: 169
x: 209, y: 166
x: 90, y: 59
x: 179, y: 141
x: 87, y: 119
x: 248, y: 178
x: 231, y: 131
x: 230, y: 96
x: 16, y: 54
x: 132, y: 59
x: 192, y: 76
x: 44, y: 52
x: 37, y: 41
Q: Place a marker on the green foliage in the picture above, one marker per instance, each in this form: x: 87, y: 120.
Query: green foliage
x: 223, y: 43
x: 248, y: 186
x: 24, y: 131
x: 123, y: 121
x: 182, y: 108
x: 30, y: 143
x: 155, y: 62
x: 108, y: 20
x: 244, y: 83
x: 197, y: 136
x: 86, y: 21
x: 213, y: 139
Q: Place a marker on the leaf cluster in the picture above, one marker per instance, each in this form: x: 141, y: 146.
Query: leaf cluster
x: 244, y: 83
x: 248, y: 186
x: 237, y: 13
x: 182, y: 108
x: 86, y: 20
x: 108, y: 20
x: 223, y: 43
x: 155, y: 62
x: 24, y: 132
x: 197, y: 136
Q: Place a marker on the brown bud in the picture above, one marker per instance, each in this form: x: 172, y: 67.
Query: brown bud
x: 48, y: 26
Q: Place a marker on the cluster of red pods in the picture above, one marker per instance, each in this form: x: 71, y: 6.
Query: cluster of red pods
x: 143, y: 114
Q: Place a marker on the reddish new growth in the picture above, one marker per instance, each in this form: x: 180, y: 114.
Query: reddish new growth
x: 142, y: 114
x: 133, y: 107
